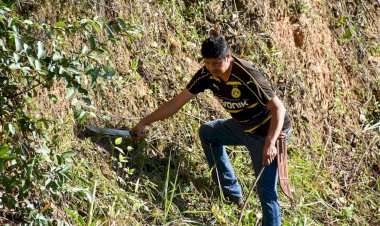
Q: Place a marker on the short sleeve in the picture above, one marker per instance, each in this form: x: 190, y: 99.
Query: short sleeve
x: 261, y: 86
x: 199, y: 82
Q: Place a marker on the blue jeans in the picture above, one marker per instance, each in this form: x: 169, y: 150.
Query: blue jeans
x: 214, y: 136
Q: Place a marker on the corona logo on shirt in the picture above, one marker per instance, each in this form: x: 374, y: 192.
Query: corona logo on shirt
x: 235, y: 92
x: 233, y: 105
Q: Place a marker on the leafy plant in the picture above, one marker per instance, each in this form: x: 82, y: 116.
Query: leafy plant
x: 34, y: 57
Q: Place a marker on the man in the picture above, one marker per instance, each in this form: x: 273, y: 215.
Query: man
x: 258, y: 117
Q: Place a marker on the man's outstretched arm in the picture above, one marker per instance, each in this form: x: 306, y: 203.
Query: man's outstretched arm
x: 164, y: 111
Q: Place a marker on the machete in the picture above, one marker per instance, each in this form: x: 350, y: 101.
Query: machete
x: 110, y: 131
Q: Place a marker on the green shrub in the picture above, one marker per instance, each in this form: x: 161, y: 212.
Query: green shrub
x: 33, y: 172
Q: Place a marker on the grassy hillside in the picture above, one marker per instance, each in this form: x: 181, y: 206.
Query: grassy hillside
x: 323, y: 57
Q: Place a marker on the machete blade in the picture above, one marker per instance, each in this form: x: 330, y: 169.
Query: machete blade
x: 110, y: 131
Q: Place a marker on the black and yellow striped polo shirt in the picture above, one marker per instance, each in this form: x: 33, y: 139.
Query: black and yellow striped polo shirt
x: 244, y: 95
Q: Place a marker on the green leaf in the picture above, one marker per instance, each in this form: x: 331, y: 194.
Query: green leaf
x: 347, y: 34
x: 60, y: 24
x: 68, y: 154
x: 37, y: 65
x: 31, y: 61
x: 3, y: 80
x: 6, y: 9
x: 53, y: 98
x: 76, y: 23
x: 41, y: 51
x: 16, y: 66
x: 96, y: 26
x: 82, y: 91
x: 134, y: 64
x: 95, y: 57
x: 84, y: 21
x: 118, y: 140
x: 2, y: 45
x: 43, y: 150
x: 73, y: 70
x: 71, y: 213
x: 85, y: 49
x: 57, y: 56
x: 25, y: 69
x: 27, y: 48
x: 106, y: 117
x: 8, y: 157
x: 16, y: 56
x: 341, y: 21
x: 62, y: 70
x: 122, y: 159
x: 65, y: 168
x: 92, y: 42
x: 87, y: 100
x: 18, y: 43
x: 9, y: 201
x: 70, y: 93
x: 120, y: 150
x: 4, y: 149
x: 109, y: 73
x: 75, y: 216
x: 10, y: 128
x: 11, y: 88
x: 39, y: 125
x: 82, y: 115
x: 29, y: 22
x: 116, y: 28
x: 122, y: 23
x: 89, y: 196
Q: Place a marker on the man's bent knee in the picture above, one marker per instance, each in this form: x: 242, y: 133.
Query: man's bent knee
x: 205, y: 131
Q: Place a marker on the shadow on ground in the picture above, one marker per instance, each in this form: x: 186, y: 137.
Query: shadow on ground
x: 153, y: 168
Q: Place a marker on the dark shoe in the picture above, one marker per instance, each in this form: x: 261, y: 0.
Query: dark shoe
x: 234, y: 199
